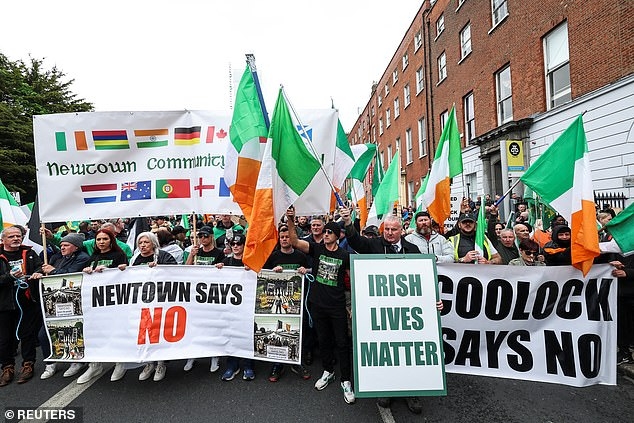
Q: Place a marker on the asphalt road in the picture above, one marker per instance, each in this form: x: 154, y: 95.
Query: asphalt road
x: 200, y: 396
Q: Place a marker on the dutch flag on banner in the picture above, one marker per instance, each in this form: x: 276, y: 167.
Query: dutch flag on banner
x: 99, y: 193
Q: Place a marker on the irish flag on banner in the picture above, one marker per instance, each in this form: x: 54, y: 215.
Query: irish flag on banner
x: 447, y: 164
x: 561, y: 176
x: 363, y: 155
x: 248, y: 130
x: 288, y: 168
x: 387, y: 193
x: 10, y: 212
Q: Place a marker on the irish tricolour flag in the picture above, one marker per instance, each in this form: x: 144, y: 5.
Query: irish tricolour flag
x: 287, y: 170
x: 561, y: 176
x: 10, y: 212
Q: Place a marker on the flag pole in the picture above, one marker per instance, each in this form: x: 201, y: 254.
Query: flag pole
x: 499, y: 200
x: 254, y: 73
x: 312, y: 148
x: 43, y: 232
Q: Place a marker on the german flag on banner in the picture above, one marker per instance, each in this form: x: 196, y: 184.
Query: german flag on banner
x: 111, y: 140
x: 187, y: 136
x: 173, y: 188
x: 151, y: 138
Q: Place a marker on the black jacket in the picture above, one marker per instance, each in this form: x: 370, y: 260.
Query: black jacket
x: 32, y: 264
x: 365, y: 245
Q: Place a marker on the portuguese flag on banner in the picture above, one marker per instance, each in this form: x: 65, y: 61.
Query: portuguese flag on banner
x: 173, y: 188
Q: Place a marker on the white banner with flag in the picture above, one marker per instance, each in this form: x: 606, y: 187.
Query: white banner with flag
x: 173, y: 312
x: 107, y: 164
x: 547, y: 324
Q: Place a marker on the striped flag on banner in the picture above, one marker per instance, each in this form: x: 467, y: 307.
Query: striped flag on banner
x: 187, y: 136
x: 151, y: 138
x: 99, y: 193
x: 111, y: 140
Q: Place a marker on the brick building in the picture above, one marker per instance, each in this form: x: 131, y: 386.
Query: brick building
x: 514, y: 70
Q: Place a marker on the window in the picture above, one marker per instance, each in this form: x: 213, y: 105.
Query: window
x: 442, y: 67
x: 499, y: 11
x: 504, y: 95
x: 440, y: 25
x: 388, y: 118
x: 420, y: 82
x: 381, y: 126
x: 394, y: 78
x: 405, y: 61
x: 557, y: 64
x: 406, y: 96
x: 410, y: 193
x: 469, y: 118
x: 444, y: 117
x: 387, y: 90
x: 418, y: 40
x: 397, y: 108
x: 374, y: 134
x: 471, y: 180
x: 422, y: 138
x: 359, y: 132
x: 389, y: 154
x: 408, y: 145
x: 380, y: 100
x: 465, y: 41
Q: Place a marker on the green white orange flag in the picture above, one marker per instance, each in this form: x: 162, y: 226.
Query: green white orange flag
x: 288, y: 168
x: 622, y: 230
x: 447, y: 164
x: 386, y: 194
x: 248, y: 130
x: 561, y: 176
x: 363, y: 155
x: 344, y: 159
x: 419, y: 202
x: 10, y: 211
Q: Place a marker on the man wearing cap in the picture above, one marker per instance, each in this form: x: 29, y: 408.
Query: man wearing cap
x: 464, y: 246
x: 205, y: 251
x: 429, y: 241
x: 370, y: 231
x: 224, y: 230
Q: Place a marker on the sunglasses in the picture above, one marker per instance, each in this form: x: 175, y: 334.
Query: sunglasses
x: 233, y: 244
x: 203, y: 236
x: 531, y: 253
x: 329, y: 231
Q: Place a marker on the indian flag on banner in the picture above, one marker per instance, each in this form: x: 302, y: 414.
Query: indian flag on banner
x: 248, y: 130
x: 363, y: 155
x: 387, y: 193
x: 10, y: 212
x: 561, y: 176
x: 187, y: 136
x: 151, y: 138
x: 447, y: 164
x: 288, y: 168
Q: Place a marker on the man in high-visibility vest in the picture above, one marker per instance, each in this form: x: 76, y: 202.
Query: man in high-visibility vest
x: 464, y: 243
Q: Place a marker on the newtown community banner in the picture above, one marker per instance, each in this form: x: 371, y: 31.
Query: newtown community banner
x: 173, y: 312
x: 123, y: 164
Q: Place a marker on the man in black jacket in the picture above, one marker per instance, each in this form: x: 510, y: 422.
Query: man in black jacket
x: 17, y: 263
x: 392, y: 241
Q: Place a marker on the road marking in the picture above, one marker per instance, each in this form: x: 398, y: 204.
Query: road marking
x: 386, y: 414
x: 67, y: 395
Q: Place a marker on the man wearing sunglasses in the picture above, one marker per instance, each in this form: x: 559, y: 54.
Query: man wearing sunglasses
x: 529, y: 250
x: 327, y: 300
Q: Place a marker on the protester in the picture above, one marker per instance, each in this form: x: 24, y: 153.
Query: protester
x: 557, y: 251
x: 224, y: 230
x: 529, y: 250
x: 429, y: 241
x: 167, y: 243
x: 624, y: 271
x: 465, y: 246
x: 17, y: 263
x: 328, y: 302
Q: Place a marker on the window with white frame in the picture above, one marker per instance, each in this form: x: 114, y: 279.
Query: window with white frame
x: 471, y: 181
x: 411, y: 193
x: 406, y: 96
x: 386, y: 90
x: 465, y: 41
x: 418, y: 40
x: 409, y: 145
x: 380, y: 99
x: 359, y: 132
x: 499, y: 11
x: 388, y: 118
x: 381, y: 126
x: 504, y: 95
x: 444, y: 117
x: 557, y: 62
x: 422, y: 138
x: 405, y: 61
x: 397, y: 108
x: 440, y: 25
x: 383, y: 160
x: 389, y: 154
x: 442, y: 67
x: 372, y: 110
x: 394, y: 77
x: 374, y: 134
x: 469, y: 118
x: 420, y: 82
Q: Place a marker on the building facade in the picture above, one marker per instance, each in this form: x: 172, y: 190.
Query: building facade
x: 513, y: 70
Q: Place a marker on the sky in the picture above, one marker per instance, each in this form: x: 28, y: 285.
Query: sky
x: 140, y: 55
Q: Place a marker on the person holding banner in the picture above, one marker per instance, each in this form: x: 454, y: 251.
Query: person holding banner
x: 558, y: 249
x: 149, y: 254
x: 17, y: 261
x: 327, y: 298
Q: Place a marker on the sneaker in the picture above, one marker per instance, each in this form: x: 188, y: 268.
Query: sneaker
x: 26, y: 373
x: 248, y: 374
x: 94, y: 370
x: 276, y: 372
x: 414, y: 405
x: 49, y: 371
x: 300, y: 370
x: 324, y: 380
x: 147, y: 371
x: 118, y: 373
x: 348, y: 393
x: 73, y: 369
x: 161, y: 369
x: 189, y: 365
x: 229, y: 374
x: 384, y: 402
x: 8, y: 372
x: 213, y: 367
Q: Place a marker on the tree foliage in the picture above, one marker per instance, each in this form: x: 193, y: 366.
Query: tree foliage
x: 28, y: 89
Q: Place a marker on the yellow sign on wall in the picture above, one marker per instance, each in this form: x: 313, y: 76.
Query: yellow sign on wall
x: 515, y: 156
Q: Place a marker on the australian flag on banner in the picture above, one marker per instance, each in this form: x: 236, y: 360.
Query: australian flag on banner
x: 140, y: 190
